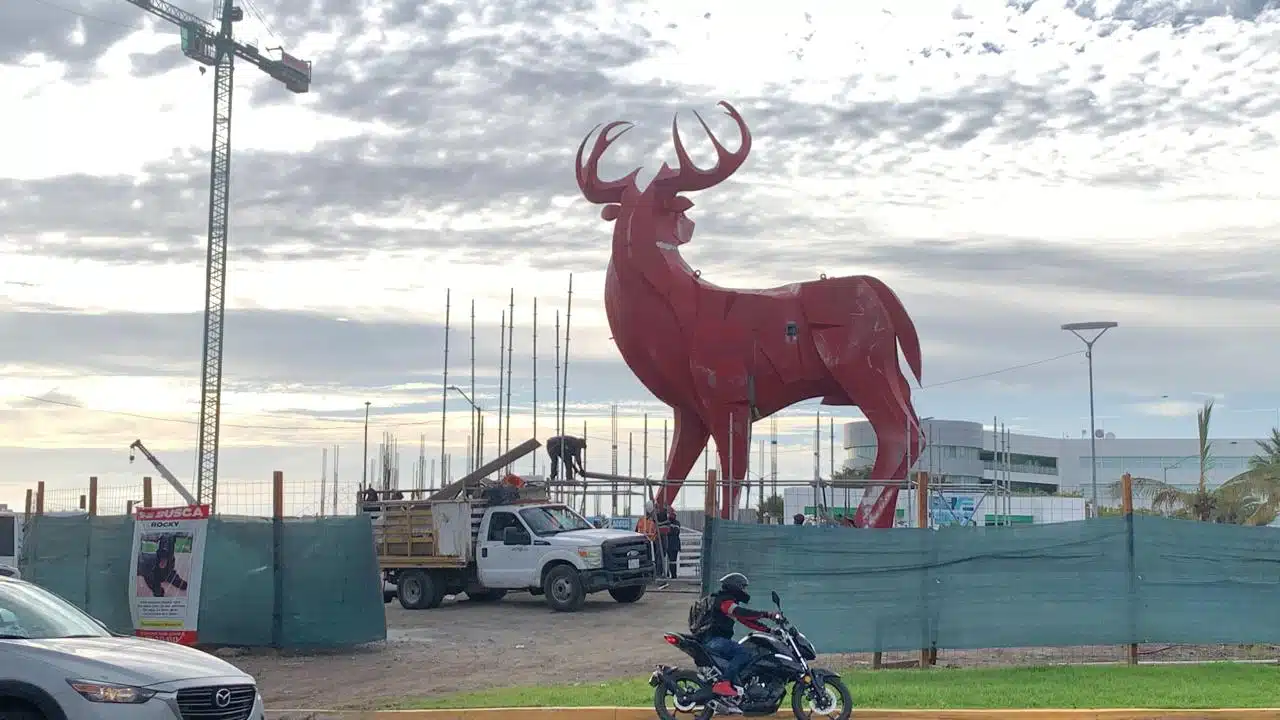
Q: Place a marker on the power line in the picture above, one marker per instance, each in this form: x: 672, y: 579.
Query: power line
x: 979, y: 376
x: 155, y: 418
x: 349, y: 424
x: 1011, y: 368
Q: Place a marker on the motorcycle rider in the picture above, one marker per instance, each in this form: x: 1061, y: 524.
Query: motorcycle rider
x: 716, y: 614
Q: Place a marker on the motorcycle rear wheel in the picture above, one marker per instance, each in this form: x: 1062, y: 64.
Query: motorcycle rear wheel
x: 664, y: 703
x: 838, y: 703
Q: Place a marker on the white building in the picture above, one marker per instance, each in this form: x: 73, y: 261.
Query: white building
x: 970, y: 507
x: 963, y: 452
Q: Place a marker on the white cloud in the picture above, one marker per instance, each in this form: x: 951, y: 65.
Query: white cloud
x: 1004, y: 166
x: 1170, y: 408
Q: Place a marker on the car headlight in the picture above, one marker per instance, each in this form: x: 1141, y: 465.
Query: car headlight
x: 591, y: 557
x: 100, y: 692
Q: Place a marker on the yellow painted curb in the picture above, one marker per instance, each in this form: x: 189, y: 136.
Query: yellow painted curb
x: 609, y: 713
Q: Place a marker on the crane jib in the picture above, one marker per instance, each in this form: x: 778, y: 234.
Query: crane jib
x: 216, y: 47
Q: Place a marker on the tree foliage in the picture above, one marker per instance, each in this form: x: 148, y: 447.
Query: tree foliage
x: 771, y: 506
x: 848, y: 472
x: 1250, y: 498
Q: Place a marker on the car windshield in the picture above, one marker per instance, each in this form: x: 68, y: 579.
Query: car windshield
x: 552, y: 520
x: 30, y: 612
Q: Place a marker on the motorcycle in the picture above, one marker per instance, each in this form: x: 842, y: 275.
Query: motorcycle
x: 780, y: 657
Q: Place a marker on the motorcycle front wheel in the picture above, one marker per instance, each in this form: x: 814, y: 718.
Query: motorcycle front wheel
x: 676, y: 706
x: 827, y: 697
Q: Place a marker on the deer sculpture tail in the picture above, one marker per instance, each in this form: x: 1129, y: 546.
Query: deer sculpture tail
x: 903, y: 326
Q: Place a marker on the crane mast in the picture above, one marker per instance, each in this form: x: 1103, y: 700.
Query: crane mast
x: 216, y: 266
x: 218, y: 47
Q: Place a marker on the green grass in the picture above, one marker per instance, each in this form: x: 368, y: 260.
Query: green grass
x: 1211, y: 685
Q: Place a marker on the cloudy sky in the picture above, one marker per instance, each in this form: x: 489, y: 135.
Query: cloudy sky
x: 1005, y: 166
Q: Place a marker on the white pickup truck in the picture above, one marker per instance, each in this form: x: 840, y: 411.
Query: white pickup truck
x: 430, y: 549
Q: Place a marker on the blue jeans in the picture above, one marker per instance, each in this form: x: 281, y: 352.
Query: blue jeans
x: 735, y: 656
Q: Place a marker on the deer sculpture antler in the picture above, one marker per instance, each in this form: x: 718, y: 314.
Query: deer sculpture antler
x: 687, y: 178
x: 593, y: 188
x: 690, y: 177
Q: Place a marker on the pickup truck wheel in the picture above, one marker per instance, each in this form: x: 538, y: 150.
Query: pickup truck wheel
x: 628, y: 594
x: 417, y: 590
x: 486, y: 595
x: 563, y: 588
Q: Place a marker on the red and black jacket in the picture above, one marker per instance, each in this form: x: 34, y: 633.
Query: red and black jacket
x: 728, y: 609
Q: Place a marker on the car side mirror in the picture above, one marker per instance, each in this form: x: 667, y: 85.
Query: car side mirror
x: 516, y: 536
x: 777, y: 601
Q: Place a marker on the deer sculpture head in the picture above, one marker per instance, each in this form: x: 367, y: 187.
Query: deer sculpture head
x: 658, y: 212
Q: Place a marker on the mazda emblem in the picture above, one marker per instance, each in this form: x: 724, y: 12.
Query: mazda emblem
x: 222, y: 698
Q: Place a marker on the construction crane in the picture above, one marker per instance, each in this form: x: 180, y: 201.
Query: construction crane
x: 208, y: 45
x: 164, y: 471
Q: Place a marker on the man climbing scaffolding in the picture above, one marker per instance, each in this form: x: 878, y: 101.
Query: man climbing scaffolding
x: 566, y: 449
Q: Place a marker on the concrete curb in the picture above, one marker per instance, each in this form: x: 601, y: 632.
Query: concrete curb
x: 610, y: 713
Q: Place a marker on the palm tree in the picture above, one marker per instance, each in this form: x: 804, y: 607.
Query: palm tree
x: 1170, y: 499
x: 1259, y: 485
x: 1251, y: 498
x: 849, y: 472
x: 771, y: 507
x: 1267, y: 461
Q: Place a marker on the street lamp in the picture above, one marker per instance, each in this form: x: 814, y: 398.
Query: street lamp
x: 1077, y: 329
x: 1164, y: 469
x: 919, y: 432
x: 364, y: 469
x: 477, y: 425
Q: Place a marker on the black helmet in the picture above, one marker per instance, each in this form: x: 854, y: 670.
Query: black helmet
x: 734, y: 581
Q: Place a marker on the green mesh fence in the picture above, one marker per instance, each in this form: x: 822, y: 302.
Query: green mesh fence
x: 1108, y: 581
x: 320, y: 590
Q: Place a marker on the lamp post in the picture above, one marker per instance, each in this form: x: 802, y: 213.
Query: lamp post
x: 1164, y: 469
x: 919, y: 431
x: 364, y: 464
x: 477, y: 420
x: 1078, y: 329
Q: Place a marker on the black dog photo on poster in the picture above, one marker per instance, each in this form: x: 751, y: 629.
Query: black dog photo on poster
x: 164, y: 563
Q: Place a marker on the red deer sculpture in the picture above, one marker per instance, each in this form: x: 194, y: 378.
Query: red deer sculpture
x: 723, y: 358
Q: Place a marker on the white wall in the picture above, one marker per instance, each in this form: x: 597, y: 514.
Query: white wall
x: 1040, y: 509
x: 1171, y: 459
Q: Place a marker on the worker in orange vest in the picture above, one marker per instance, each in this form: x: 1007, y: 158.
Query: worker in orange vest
x: 648, y: 527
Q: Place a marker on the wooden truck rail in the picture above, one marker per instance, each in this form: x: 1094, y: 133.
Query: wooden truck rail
x: 404, y: 536
x: 404, y: 532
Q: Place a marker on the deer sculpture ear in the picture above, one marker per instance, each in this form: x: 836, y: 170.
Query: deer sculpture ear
x: 611, y: 212
x: 679, y: 204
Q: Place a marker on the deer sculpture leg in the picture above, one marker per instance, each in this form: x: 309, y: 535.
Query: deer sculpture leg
x: 879, y: 502
x: 732, y: 432
x: 688, y: 440
x: 879, y: 393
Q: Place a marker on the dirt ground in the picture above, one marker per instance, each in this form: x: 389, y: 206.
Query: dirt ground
x: 519, y: 641
x: 470, y: 646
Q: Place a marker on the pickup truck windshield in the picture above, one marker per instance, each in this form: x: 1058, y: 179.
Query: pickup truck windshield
x: 552, y: 520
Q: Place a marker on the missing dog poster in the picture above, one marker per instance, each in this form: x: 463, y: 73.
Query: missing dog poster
x: 168, y: 560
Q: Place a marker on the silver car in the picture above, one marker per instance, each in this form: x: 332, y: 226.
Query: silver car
x: 57, y: 663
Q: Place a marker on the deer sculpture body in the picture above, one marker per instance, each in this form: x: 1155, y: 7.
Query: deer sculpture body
x: 722, y: 358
